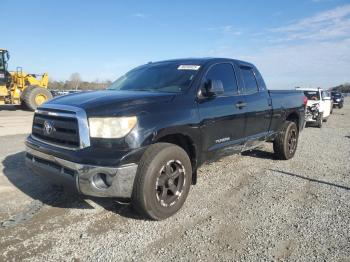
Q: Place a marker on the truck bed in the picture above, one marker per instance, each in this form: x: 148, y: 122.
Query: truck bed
x: 284, y: 102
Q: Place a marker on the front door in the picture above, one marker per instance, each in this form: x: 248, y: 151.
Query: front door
x: 222, y: 117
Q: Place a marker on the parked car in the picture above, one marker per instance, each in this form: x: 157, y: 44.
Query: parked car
x: 145, y: 137
x: 338, y: 99
x: 316, y: 96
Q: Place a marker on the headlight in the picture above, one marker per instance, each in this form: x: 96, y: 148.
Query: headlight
x: 111, y: 127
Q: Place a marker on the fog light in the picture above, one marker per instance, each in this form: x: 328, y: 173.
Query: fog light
x: 101, y: 181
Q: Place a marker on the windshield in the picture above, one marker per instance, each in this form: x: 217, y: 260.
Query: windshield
x: 163, y: 77
x: 312, y: 95
x: 337, y: 95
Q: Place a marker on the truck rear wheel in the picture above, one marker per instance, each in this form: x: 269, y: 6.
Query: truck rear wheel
x: 34, y: 96
x: 286, y: 142
x: 162, y: 181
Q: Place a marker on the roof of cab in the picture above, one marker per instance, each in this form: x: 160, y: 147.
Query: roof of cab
x: 309, y: 89
x: 202, y: 61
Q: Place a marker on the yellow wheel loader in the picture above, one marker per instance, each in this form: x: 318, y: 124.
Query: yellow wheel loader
x: 20, y: 88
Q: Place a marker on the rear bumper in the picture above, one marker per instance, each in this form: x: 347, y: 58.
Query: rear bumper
x: 99, y: 181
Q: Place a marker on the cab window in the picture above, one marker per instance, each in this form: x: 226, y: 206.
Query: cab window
x: 2, y: 63
x: 225, y: 73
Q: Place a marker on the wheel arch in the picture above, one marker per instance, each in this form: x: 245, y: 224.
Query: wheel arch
x: 294, y: 117
x: 187, y: 143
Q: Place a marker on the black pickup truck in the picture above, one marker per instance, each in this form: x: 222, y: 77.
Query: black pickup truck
x: 146, y: 135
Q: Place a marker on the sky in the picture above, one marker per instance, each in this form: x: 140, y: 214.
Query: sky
x: 293, y: 43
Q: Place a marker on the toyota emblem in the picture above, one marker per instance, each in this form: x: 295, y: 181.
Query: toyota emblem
x: 48, y: 128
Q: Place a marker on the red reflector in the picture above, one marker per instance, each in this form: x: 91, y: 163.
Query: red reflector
x: 305, y: 100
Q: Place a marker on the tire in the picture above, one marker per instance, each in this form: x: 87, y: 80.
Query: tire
x: 31, y: 94
x: 319, y: 120
x: 286, y: 142
x: 152, y: 196
x: 325, y: 120
x: 340, y: 106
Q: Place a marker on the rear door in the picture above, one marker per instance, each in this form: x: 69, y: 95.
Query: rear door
x: 258, y: 102
x: 222, y: 123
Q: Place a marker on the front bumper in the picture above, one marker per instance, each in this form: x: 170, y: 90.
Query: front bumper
x: 86, y: 179
x: 310, y: 118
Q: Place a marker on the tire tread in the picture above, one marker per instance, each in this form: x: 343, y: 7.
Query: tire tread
x: 138, y: 200
x: 279, y: 145
x: 27, y: 94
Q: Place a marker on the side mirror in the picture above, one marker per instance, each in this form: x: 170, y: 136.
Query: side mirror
x: 213, y: 88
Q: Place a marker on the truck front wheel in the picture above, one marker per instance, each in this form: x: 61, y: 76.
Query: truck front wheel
x: 286, y: 142
x: 162, y: 181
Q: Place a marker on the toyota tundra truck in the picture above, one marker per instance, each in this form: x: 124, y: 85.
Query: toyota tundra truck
x: 145, y: 137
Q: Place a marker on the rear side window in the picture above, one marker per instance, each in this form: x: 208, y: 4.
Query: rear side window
x: 225, y: 73
x: 249, y: 80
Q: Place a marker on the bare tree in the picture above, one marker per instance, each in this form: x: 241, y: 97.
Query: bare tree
x: 75, y: 80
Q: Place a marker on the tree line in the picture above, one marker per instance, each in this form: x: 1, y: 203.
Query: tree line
x: 76, y: 83
x: 344, y: 88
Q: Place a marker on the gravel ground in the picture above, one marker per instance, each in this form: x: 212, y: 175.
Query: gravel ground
x: 248, y: 207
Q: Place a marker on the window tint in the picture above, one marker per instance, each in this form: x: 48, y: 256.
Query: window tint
x: 249, y: 80
x: 225, y: 73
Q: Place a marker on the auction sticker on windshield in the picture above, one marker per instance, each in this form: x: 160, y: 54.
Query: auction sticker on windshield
x: 188, y: 67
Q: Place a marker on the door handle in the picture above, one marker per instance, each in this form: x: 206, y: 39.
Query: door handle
x: 240, y: 105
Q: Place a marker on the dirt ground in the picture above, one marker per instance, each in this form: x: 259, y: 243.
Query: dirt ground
x: 248, y: 207
x: 14, y: 121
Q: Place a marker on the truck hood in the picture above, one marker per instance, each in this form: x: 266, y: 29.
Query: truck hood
x: 103, y: 102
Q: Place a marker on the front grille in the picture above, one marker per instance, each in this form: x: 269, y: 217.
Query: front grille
x: 61, y: 130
